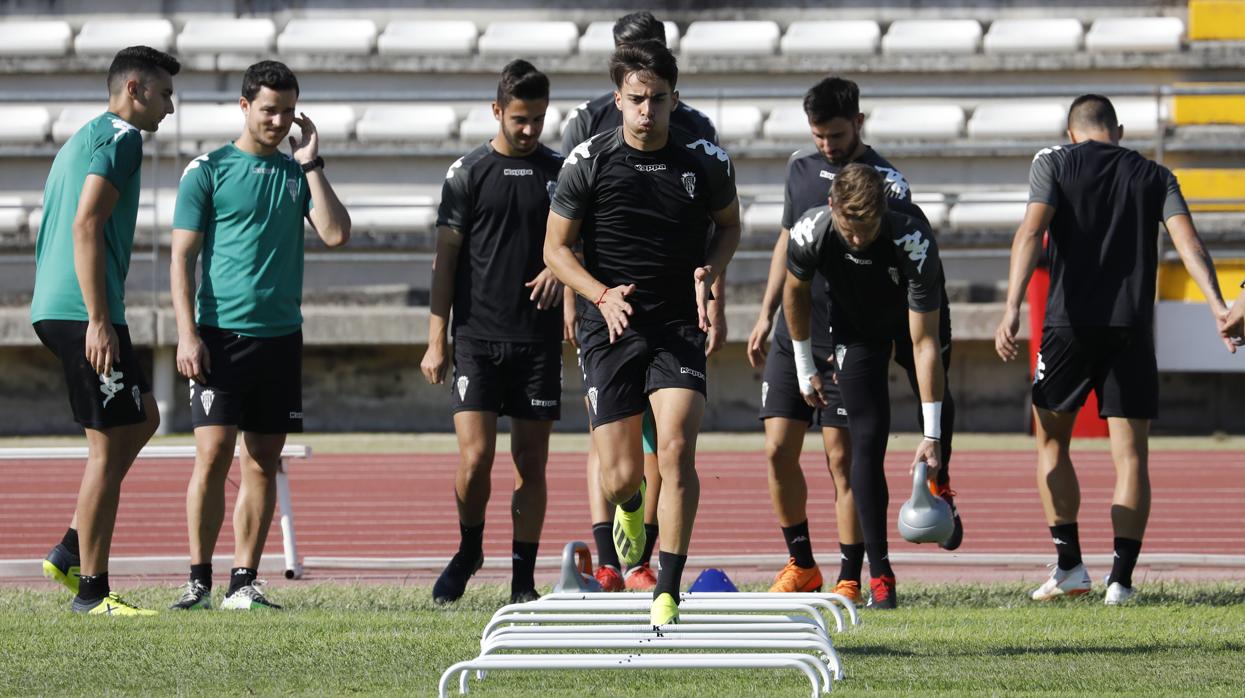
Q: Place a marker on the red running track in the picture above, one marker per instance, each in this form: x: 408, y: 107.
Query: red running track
x: 402, y: 505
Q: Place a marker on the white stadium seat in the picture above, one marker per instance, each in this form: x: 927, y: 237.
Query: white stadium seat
x: 334, y: 122
x: 918, y: 121
x: 786, y: 123
x: 396, y: 215
x: 752, y: 38
x: 932, y: 36
x: 428, y: 38
x: 934, y: 205
x: 156, y: 217
x: 245, y: 36
x: 73, y: 117
x: 511, y: 39
x: 598, y: 39
x: 34, y: 219
x: 12, y: 218
x: 214, y: 123
x: 988, y: 210
x: 481, y: 126
x: 37, y: 38
x: 1154, y: 34
x: 820, y: 38
x: 763, y: 217
x: 1140, y: 116
x: 24, y: 124
x: 107, y: 36
x: 735, y: 121
x: 407, y: 123
x: 321, y: 36
x: 1019, y: 119
x: 1033, y: 36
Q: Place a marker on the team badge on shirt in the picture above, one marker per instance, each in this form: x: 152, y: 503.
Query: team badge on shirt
x: 689, y: 183
x: 551, y: 186
x: 291, y: 185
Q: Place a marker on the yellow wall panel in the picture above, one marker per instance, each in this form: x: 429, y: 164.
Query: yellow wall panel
x: 1209, y: 109
x: 1218, y: 189
x: 1175, y: 284
x: 1211, y: 20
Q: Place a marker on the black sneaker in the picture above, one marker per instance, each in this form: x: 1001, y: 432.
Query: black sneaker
x: 523, y: 595
x: 63, y: 567
x: 195, y: 596
x: 882, y: 593
x: 453, y: 580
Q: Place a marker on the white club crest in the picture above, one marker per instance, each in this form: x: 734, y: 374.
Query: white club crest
x: 689, y: 183
x: 206, y: 397
x: 894, y: 275
x: 138, y: 398
x: 551, y: 186
x: 764, y: 392
x: 291, y: 185
x: 592, y: 398
x: 802, y: 233
x: 840, y: 354
x: 462, y: 387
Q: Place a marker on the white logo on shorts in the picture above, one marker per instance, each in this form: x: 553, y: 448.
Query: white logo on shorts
x: 296, y: 415
x: 462, y: 387
x: 592, y: 398
x: 544, y: 403
x: 111, y: 385
x: 841, y: 412
x: 206, y: 398
x: 138, y: 400
x: 691, y: 372
x: 1040, y: 372
x: 840, y: 354
x: 764, y: 392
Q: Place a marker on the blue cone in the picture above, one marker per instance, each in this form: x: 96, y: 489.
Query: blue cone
x: 713, y: 579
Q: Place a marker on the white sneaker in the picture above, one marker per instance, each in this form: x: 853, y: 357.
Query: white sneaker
x: 1073, y: 582
x: 248, y: 598
x: 1118, y: 594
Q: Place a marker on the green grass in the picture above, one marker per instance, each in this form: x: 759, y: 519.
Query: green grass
x: 947, y: 639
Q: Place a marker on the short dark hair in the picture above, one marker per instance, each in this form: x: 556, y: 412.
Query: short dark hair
x: 274, y: 75
x: 1092, y: 112
x: 858, y: 192
x: 638, y: 26
x: 644, y: 57
x: 831, y: 98
x: 521, y: 80
x: 143, y: 60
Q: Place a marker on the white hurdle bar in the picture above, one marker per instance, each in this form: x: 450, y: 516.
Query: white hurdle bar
x: 293, y: 566
x: 805, y: 663
x: 502, y: 621
x: 828, y: 597
x: 809, y: 607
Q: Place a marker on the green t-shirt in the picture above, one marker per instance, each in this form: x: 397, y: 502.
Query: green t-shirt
x: 250, y: 210
x: 112, y: 148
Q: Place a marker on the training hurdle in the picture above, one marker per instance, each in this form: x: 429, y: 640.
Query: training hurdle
x: 744, y: 603
x: 293, y: 565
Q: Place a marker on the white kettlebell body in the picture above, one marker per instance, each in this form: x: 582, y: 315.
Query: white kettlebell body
x: 925, y: 518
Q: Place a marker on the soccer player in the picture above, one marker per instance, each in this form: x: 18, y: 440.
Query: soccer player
x: 507, y: 324
x: 602, y: 115
x: 643, y: 199
x: 884, y: 278
x: 82, y: 256
x: 1102, y: 205
x: 833, y: 110
x: 242, y: 208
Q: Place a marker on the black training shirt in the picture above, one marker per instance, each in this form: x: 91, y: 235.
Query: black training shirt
x: 601, y: 114
x: 500, y: 205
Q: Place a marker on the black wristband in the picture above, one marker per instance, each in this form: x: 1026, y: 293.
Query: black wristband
x: 309, y: 166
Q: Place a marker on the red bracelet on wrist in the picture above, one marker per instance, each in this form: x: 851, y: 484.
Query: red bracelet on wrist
x: 602, y: 298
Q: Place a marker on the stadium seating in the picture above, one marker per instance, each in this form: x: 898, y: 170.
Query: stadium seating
x: 785, y: 123
x: 24, y: 124
x: 1140, y: 116
x: 1154, y: 34
x: 73, y: 117
x: 334, y: 122
x: 432, y: 38
x: 598, y: 38
x: 915, y: 121
x: 1018, y: 119
x: 407, y: 123
x: 246, y: 36
x: 401, y: 214
x: 932, y: 36
x: 213, y: 123
x: 979, y: 210
x: 751, y: 38
x: 813, y: 38
x: 107, y: 36
x: 35, y: 38
x: 517, y: 39
x: 1213, y: 189
x: 1210, y: 109
x: 13, y: 215
x: 1034, y: 35
x: 327, y: 36
x: 734, y: 121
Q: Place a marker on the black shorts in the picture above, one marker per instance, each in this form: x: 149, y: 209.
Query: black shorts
x: 619, y: 377
x: 1117, y: 363
x: 518, y: 379
x: 254, y: 383
x: 780, y: 393
x: 98, y: 402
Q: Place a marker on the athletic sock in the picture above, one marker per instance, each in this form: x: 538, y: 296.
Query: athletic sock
x: 799, y: 547
x: 1126, y: 552
x: 202, y: 573
x: 650, y: 539
x: 851, y: 561
x: 471, y: 539
x: 1067, y: 542
x: 879, y: 562
x: 633, y: 504
x: 93, y: 587
x: 522, y: 566
x: 70, y: 541
x: 241, y: 577
x: 670, y: 574
x: 602, y: 535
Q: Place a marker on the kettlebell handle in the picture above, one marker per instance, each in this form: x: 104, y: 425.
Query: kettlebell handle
x: 920, y: 478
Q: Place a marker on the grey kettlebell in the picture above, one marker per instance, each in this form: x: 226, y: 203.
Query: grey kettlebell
x: 924, y: 518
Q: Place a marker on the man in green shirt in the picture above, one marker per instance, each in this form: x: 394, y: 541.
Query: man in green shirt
x: 82, y: 256
x: 242, y: 206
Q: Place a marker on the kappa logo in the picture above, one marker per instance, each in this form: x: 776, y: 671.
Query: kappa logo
x: 1058, y: 541
x: 659, y: 167
x: 1040, y: 372
x: 206, y: 398
x: 123, y: 127
x: 896, y: 183
x: 592, y: 398
x: 518, y: 172
x: 138, y: 398
x: 689, y: 183
x: 110, y: 385
x: 462, y: 387
x: 194, y: 164
x: 691, y: 372
x: 764, y: 392
x: 292, y: 186
x: 915, y: 246
x: 857, y: 260
x: 544, y: 403
x: 449, y: 174
x: 802, y: 233
x: 296, y: 415
x: 1047, y: 151
x: 580, y: 151
x: 712, y: 150
x: 799, y: 539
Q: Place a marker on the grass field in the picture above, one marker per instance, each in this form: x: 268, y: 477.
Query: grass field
x: 950, y: 640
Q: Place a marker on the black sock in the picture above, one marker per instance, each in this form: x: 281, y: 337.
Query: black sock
x: 650, y: 539
x: 202, y: 573
x: 241, y: 577
x: 670, y: 574
x: 879, y: 563
x: 70, y: 541
x: 522, y: 566
x: 1067, y: 542
x: 1126, y: 552
x: 633, y: 504
x: 471, y: 539
x: 851, y: 561
x: 799, y: 546
x: 602, y: 535
x: 93, y: 587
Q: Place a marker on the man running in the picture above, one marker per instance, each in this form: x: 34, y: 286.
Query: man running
x: 82, y: 257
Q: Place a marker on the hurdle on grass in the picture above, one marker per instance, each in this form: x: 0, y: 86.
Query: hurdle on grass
x: 690, y: 604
